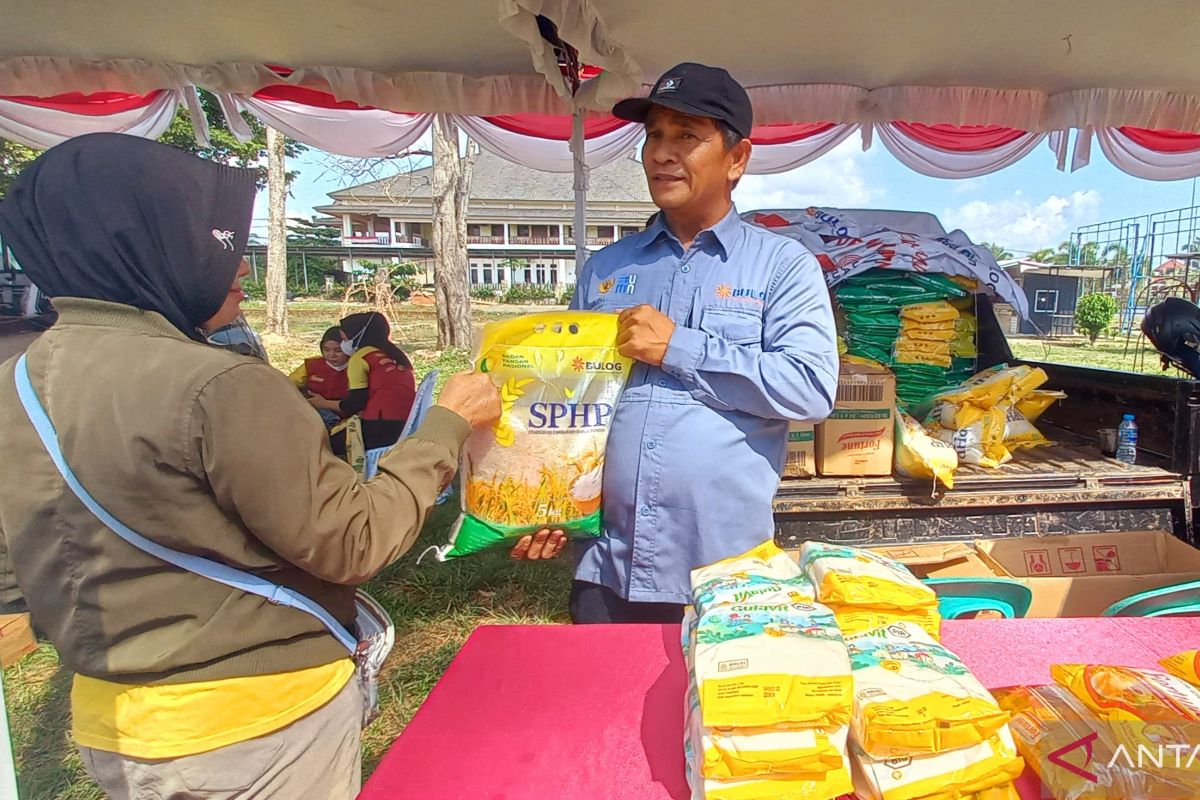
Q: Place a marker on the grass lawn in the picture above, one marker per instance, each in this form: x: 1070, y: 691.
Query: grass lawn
x: 435, y: 606
x: 1135, y: 356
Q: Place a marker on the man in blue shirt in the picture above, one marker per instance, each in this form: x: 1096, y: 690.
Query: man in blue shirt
x: 731, y: 329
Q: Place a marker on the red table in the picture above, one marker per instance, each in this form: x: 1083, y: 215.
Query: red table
x: 596, y: 712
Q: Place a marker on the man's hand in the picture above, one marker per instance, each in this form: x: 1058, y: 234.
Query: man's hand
x: 473, y: 397
x: 644, y: 334
x: 541, y: 545
x: 318, y: 402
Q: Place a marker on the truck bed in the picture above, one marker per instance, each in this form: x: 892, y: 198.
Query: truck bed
x: 1066, y: 487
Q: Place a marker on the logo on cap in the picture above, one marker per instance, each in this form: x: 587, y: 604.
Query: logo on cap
x: 669, y: 85
x: 224, y: 237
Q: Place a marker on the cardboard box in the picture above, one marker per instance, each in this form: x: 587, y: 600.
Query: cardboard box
x: 801, y: 461
x: 1083, y: 574
x: 858, y: 437
x: 16, y: 638
x: 939, y: 559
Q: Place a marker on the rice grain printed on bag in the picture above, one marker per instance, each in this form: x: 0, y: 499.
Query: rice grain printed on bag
x: 913, y: 696
x: 541, y: 465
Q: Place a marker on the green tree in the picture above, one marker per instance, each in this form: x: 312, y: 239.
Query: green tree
x: 998, y: 252
x: 13, y: 158
x: 223, y: 145
x: 1094, y: 313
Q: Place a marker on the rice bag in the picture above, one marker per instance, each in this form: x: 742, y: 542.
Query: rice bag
x: 827, y: 786
x: 846, y: 575
x: 928, y: 334
x: 911, y: 356
x: 766, y: 560
x: 1019, y: 433
x: 945, y: 776
x: 981, y: 442
x: 1185, y: 665
x: 938, y: 311
x: 1034, y: 404
x: 854, y: 620
x: 761, y: 664
x: 913, y: 696
x: 919, y: 455
x: 541, y: 465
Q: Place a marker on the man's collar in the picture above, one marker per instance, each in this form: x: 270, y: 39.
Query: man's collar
x: 724, y: 231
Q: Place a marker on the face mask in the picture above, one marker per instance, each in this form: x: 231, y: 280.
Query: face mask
x: 337, y: 367
x: 350, y: 345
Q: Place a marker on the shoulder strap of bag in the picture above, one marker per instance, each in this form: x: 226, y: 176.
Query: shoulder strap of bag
x: 221, y: 573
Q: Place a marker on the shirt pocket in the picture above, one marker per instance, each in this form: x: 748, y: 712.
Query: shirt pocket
x: 733, y: 325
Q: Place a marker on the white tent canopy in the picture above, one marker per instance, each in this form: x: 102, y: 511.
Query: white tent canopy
x: 1028, y: 64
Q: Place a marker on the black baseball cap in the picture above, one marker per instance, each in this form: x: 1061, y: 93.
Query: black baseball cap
x: 697, y: 90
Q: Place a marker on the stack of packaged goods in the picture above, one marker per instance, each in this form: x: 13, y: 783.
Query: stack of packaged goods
x: 913, y: 322
x: 992, y: 414
x: 1141, y: 725
x: 770, y: 691
x: 923, y: 726
x: 868, y: 590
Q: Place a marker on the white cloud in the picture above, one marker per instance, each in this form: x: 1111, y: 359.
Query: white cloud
x: 836, y: 179
x: 1021, y: 223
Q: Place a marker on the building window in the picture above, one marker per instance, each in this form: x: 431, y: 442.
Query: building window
x: 1045, y: 301
x: 528, y: 274
x: 474, y: 274
x: 553, y: 275
x: 541, y: 273
x: 487, y: 275
x: 627, y: 231
x: 522, y: 230
x: 474, y: 230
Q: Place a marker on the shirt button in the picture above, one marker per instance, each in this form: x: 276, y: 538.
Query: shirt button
x: 651, y: 445
x: 662, y: 382
x: 645, y: 511
x: 685, y: 268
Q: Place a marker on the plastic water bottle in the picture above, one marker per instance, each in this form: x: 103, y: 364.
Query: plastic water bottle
x: 1127, y: 440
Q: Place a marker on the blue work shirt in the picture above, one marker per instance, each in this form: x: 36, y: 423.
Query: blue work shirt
x: 696, y: 447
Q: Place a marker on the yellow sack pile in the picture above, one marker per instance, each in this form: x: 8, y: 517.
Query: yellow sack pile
x: 867, y: 590
x: 919, y: 455
x: 982, y: 419
x: 966, y: 328
x: 770, y: 691
x: 914, y: 697
x: 1184, y: 665
x: 927, y: 331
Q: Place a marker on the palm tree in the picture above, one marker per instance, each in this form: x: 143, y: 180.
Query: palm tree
x: 998, y: 252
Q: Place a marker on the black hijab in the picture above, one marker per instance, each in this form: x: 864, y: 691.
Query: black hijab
x: 334, y: 334
x: 371, y: 329
x: 114, y: 217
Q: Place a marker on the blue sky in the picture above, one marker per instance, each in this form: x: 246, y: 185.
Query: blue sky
x: 1024, y: 207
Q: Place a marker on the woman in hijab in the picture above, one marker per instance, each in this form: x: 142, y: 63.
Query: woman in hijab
x: 382, y: 385
x: 186, y: 687
x: 323, y: 379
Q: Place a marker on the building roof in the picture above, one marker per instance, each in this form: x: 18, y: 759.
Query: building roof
x: 494, y: 178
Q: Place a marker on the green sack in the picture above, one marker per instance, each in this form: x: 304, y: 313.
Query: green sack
x: 938, y: 283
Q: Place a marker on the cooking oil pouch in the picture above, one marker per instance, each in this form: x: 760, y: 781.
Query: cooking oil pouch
x: 914, y: 697
x: 853, y: 576
x: 541, y: 465
x: 937, y: 311
x: 1184, y: 665
x: 763, y: 664
x: 991, y: 764
x: 919, y: 455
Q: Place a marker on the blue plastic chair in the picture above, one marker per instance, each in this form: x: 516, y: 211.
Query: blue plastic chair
x: 963, y: 597
x: 1180, y: 600
x: 422, y: 402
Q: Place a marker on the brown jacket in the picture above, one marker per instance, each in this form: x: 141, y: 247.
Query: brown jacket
x: 207, y: 452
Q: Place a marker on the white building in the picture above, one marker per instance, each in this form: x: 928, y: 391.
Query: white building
x: 519, y: 220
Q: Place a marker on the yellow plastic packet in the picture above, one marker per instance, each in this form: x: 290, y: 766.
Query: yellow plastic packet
x: 981, y: 442
x: 541, y: 465
x: 763, y: 664
x: 1034, y: 404
x: 937, y: 311
x: 937, y: 347
x: 1184, y: 665
x: 927, y: 334
x: 917, y: 357
x: 915, y: 697
x: 907, y: 325
x: 919, y: 455
x: 853, y: 576
x: 764, y: 574
x: 854, y: 620
x: 970, y: 284
x: 991, y: 764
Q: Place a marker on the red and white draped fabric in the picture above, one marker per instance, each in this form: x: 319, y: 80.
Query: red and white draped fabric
x: 779, y: 148
x: 1154, y: 155
x: 43, y: 122
x: 543, y: 142
x: 319, y: 119
x: 956, y: 151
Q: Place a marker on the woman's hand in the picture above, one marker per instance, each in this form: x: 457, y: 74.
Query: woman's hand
x: 318, y: 402
x: 473, y: 397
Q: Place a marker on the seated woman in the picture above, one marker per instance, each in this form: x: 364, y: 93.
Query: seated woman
x: 323, y: 378
x: 382, y: 385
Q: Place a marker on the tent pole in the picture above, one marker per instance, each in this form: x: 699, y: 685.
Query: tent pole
x: 581, y: 187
